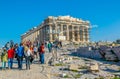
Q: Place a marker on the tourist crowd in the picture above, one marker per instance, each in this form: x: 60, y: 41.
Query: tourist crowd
x: 26, y: 51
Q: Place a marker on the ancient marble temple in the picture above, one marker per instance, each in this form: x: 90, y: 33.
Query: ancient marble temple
x: 64, y: 28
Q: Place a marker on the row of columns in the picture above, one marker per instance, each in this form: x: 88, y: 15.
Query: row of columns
x: 40, y: 34
x: 77, y: 30
x: 32, y: 36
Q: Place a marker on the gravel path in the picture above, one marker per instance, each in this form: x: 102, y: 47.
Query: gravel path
x: 37, y: 71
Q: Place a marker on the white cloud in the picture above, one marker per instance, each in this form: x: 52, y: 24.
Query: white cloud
x: 94, y: 26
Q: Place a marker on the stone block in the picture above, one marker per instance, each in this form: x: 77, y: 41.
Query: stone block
x: 94, y: 67
x: 69, y: 58
x: 73, y: 67
x: 63, y: 75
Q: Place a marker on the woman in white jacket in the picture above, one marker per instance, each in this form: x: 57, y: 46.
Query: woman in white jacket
x: 27, y: 57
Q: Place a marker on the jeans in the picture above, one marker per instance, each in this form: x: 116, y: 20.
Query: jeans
x: 42, y: 60
x: 20, y: 59
x: 27, y: 62
x: 10, y: 63
x: 3, y: 65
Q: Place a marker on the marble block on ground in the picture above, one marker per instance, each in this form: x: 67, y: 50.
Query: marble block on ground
x: 94, y: 67
x: 73, y: 67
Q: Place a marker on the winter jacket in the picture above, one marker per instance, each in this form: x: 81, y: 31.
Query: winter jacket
x: 4, y: 57
x: 28, y: 53
x: 20, y: 51
x: 11, y: 53
x: 42, y: 49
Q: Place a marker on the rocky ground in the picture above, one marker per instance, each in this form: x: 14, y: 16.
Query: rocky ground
x: 67, y: 66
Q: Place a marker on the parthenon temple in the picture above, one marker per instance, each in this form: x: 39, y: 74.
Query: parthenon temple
x: 64, y: 28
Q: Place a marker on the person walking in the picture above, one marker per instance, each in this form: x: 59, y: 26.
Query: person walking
x: 20, y: 55
x: 41, y: 53
x: 4, y: 58
x: 11, y: 54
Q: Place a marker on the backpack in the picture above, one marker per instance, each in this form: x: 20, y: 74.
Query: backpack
x: 49, y: 45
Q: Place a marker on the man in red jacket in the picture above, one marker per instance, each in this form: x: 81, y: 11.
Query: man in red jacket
x: 41, y: 53
x: 11, y: 53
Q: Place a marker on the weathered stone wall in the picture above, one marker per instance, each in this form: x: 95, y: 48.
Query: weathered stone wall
x: 117, y: 51
x: 111, y: 54
x: 88, y: 52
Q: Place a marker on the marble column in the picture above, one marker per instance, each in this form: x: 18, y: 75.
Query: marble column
x: 78, y: 34
x: 61, y: 30
x: 73, y: 34
x: 67, y: 35
x: 50, y: 33
x: 35, y: 35
x: 41, y: 35
x: 83, y: 27
x: 56, y: 31
x: 81, y: 33
x: 38, y: 35
x: 87, y: 35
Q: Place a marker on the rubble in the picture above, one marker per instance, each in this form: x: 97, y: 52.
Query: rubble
x: 94, y: 67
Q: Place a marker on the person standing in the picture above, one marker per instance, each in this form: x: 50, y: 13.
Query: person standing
x: 49, y: 46
x: 41, y: 53
x: 32, y: 54
x: 27, y: 57
x: 55, y: 52
x: 11, y: 54
x: 20, y: 54
x: 60, y: 44
x: 11, y: 43
x: 35, y: 49
x: 15, y: 48
x: 4, y: 58
x: 7, y: 46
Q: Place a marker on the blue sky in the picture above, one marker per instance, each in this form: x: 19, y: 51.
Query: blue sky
x: 18, y: 16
